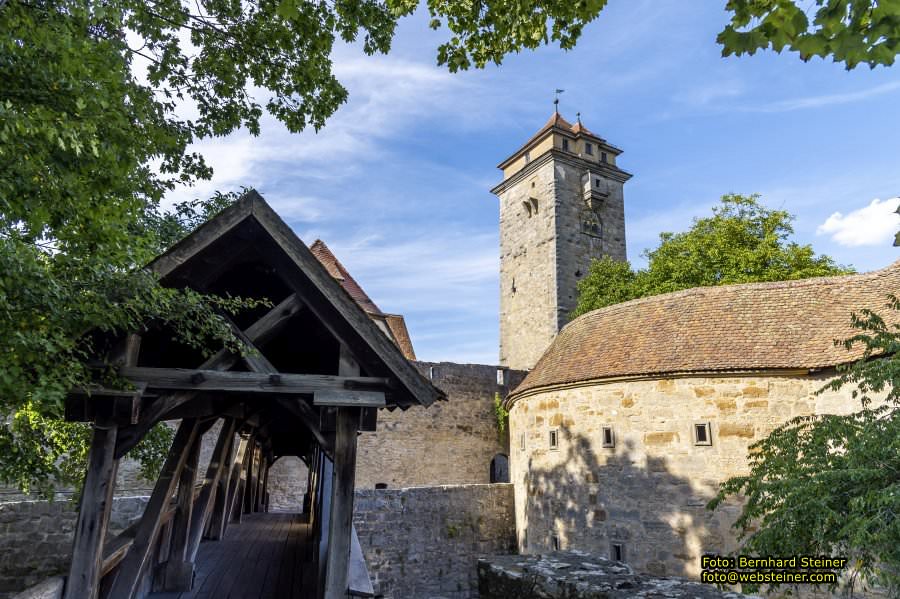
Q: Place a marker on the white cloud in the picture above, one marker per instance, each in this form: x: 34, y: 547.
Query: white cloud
x: 874, y: 224
x: 825, y: 100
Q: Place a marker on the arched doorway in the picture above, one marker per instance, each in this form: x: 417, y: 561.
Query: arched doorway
x: 500, y: 469
x: 287, y: 484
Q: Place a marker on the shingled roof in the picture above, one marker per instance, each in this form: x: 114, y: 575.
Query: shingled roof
x: 756, y: 326
x: 393, y: 325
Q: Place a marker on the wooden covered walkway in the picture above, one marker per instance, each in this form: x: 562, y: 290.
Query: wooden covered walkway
x: 265, y: 556
x: 306, y: 373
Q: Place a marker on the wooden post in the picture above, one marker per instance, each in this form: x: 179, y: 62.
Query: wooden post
x: 128, y: 579
x: 209, y: 494
x: 218, y: 520
x: 265, y: 487
x: 340, y: 524
x: 341, y: 521
x: 179, y: 572
x: 241, y: 488
x: 93, y: 515
x: 248, y: 481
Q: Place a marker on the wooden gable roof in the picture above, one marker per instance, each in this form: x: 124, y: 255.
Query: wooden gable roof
x: 251, y: 226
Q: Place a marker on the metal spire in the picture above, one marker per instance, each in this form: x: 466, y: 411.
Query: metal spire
x: 556, y: 101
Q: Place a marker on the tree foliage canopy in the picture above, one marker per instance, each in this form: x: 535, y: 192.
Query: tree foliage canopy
x: 830, y: 485
x: 742, y: 242
x: 850, y: 31
x: 90, y: 146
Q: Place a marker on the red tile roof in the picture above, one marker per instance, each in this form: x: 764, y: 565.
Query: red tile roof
x: 780, y: 325
x: 394, y: 324
x: 397, y: 324
x: 337, y: 270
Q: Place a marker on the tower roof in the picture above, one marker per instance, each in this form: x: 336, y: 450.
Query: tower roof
x: 559, y: 124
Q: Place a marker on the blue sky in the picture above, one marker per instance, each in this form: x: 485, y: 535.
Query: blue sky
x: 398, y: 182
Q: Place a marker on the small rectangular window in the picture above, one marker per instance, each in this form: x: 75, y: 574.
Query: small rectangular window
x: 432, y: 373
x: 522, y: 441
x: 589, y: 149
x: 527, y: 157
x: 617, y: 552
x: 565, y: 143
x: 602, y: 156
x: 501, y: 377
x: 702, y: 434
x: 554, y: 439
x: 609, y: 438
x: 554, y: 543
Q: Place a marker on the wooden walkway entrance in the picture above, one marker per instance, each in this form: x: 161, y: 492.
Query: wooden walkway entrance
x: 265, y: 556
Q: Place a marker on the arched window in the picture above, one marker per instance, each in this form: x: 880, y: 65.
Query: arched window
x: 500, y: 469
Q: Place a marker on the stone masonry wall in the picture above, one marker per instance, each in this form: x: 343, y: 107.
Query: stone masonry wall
x: 528, y: 268
x: 36, y: 538
x: 448, y: 443
x: 649, y: 492
x: 575, y: 250
x: 288, y: 478
x: 425, y: 543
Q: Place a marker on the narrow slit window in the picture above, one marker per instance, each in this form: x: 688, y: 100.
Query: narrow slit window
x: 608, y: 437
x: 554, y: 439
x: 702, y: 434
x: 565, y: 144
x: 522, y: 441
x: 617, y: 552
x: 554, y: 542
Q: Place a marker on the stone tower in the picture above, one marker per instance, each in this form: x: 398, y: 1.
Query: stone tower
x: 561, y: 205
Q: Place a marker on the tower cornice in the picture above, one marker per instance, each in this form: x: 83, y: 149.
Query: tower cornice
x: 605, y: 169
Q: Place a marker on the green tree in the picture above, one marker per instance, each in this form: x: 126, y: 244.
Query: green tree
x: 89, y: 149
x: 742, y: 242
x: 830, y: 485
x: 849, y: 31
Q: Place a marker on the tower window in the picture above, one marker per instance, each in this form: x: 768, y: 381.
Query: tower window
x: 565, y: 143
x: 608, y: 438
x: 528, y: 157
x: 597, y: 182
x: 603, y: 157
x: 589, y: 149
x: 554, y: 439
x: 702, y: 434
x: 617, y: 552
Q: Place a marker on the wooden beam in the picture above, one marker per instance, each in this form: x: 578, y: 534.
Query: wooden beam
x: 338, y: 312
x: 93, y: 515
x: 128, y: 578
x: 178, y: 572
x: 246, y: 382
x: 215, y: 473
x: 350, y: 399
x: 221, y: 513
x: 341, y: 522
x: 237, y: 507
x: 264, y: 328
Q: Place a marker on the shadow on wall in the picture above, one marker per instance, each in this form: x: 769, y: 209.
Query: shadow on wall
x: 624, y: 505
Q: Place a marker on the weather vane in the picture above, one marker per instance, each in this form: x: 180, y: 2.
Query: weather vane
x: 556, y: 101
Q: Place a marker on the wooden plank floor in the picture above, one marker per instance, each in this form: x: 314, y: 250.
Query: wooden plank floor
x: 263, y: 557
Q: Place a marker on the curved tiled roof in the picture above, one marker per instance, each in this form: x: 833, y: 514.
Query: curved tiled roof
x: 755, y: 326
